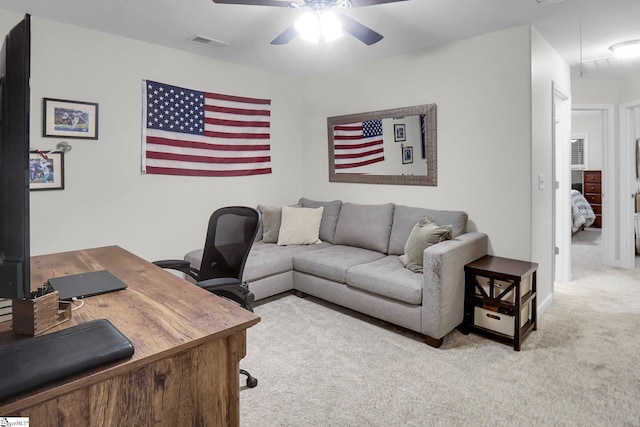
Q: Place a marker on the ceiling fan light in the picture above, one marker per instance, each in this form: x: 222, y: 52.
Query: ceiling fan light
x: 330, y: 26
x: 314, y: 27
x: 626, y: 49
x: 308, y: 27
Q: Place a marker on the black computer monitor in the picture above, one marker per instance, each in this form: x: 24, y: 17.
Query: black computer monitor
x: 15, y: 272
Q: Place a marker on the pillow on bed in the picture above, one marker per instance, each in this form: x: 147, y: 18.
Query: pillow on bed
x: 300, y: 226
x: 424, y: 234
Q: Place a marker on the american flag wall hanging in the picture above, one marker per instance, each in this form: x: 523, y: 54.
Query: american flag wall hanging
x: 195, y: 133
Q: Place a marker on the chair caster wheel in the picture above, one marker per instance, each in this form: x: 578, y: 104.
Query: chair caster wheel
x: 251, y: 380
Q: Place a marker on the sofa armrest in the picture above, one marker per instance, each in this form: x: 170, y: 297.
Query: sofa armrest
x: 443, y: 292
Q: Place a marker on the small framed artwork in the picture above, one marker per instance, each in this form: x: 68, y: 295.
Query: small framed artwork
x: 399, y: 132
x: 638, y: 158
x: 69, y: 119
x: 407, y: 155
x: 46, y: 172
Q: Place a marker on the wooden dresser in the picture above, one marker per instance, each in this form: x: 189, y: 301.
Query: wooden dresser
x: 592, y: 189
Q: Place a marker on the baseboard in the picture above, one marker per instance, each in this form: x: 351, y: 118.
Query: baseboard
x: 543, y: 305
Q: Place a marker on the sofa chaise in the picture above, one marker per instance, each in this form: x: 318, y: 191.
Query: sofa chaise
x: 357, y: 258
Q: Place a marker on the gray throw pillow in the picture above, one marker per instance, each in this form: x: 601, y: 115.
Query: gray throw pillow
x: 405, y: 217
x: 271, y: 220
x: 330, y: 216
x: 424, y: 234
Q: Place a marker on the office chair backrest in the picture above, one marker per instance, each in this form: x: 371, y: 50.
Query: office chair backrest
x: 230, y: 236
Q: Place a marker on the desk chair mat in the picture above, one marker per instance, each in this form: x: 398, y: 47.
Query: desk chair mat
x: 33, y: 362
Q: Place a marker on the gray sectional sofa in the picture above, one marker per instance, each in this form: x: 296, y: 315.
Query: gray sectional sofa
x: 357, y: 264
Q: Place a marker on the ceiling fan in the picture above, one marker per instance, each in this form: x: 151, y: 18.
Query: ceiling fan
x: 318, y: 8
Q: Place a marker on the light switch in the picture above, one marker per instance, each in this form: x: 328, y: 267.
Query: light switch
x: 541, y: 181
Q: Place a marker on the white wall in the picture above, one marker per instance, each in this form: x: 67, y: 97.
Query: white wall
x: 106, y: 199
x: 629, y: 88
x: 482, y: 89
x: 548, y: 70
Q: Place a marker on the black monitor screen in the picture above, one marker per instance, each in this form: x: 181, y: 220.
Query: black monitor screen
x: 14, y: 162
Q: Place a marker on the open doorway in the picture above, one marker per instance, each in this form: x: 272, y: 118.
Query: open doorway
x: 595, y: 122
x: 587, y: 164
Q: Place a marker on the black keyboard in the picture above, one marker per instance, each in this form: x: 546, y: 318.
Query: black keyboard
x: 33, y: 362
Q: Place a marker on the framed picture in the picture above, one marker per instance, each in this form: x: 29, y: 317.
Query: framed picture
x: 638, y: 158
x: 407, y: 155
x: 46, y: 172
x: 400, y: 132
x: 69, y: 119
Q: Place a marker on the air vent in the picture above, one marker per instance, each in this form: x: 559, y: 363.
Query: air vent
x: 545, y: 3
x: 207, y: 41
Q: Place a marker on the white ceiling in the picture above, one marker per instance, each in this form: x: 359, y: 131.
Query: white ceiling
x: 407, y: 26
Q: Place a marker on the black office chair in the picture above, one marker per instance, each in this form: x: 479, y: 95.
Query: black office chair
x: 230, y: 235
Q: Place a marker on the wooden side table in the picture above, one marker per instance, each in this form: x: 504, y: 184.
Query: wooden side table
x: 500, y: 299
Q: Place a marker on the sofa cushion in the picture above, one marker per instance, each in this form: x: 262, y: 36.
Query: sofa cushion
x: 333, y: 262
x: 365, y: 226
x: 424, y: 234
x: 330, y: 216
x: 194, y: 258
x: 271, y: 219
x: 269, y: 259
x: 405, y: 217
x: 387, y: 277
x: 300, y: 226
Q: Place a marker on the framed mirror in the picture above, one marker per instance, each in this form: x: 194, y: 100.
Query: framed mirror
x: 397, y: 146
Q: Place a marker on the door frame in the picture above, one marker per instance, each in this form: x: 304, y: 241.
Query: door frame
x: 627, y: 190
x: 561, y: 179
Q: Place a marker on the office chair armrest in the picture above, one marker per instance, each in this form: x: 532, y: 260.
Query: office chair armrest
x: 180, y: 265
x: 230, y: 288
x: 211, y: 284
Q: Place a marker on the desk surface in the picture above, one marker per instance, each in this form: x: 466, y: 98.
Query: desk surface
x: 159, y: 312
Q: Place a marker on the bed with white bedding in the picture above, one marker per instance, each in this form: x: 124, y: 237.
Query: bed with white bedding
x: 581, y: 213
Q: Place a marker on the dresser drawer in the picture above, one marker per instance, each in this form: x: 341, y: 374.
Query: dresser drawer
x: 593, y: 188
x: 592, y: 177
x: 593, y: 198
x: 598, y: 222
x: 597, y: 209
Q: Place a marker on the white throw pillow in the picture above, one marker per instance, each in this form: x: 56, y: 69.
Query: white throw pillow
x: 300, y: 226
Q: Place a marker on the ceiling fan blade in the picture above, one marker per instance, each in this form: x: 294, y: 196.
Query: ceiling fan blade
x: 276, y: 3
x: 363, y: 3
x: 286, y: 36
x: 365, y: 34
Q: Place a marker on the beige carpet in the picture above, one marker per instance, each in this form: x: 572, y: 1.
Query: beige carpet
x: 320, y: 365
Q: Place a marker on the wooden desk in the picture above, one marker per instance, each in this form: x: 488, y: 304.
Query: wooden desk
x: 188, y: 345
